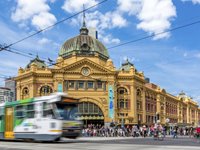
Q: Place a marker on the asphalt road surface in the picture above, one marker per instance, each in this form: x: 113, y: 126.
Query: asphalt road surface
x: 106, y: 143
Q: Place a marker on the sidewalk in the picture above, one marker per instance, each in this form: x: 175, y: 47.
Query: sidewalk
x: 118, y: 138
x: 105, y: 138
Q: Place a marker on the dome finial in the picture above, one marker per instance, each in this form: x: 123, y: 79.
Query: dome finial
x: 84, y: 30
x: 84, y: 24
x: 37, y: 56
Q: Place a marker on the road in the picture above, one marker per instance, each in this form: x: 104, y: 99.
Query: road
x: 103, y: 143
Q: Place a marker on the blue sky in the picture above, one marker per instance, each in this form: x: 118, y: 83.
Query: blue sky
x: 170, y: 60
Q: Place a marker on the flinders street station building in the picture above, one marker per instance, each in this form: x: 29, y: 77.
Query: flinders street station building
x: 107, y: 94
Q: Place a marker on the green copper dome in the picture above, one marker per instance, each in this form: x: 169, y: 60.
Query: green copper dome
x: 83, y: 45
x: 39, y: 63
x: 126, y: 66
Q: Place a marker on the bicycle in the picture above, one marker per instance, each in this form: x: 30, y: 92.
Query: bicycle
x: 158, y: 135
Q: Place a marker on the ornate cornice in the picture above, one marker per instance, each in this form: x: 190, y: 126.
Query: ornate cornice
x: 30, y: 74
x: 43, y: 75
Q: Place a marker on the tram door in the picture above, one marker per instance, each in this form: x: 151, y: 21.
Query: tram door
x: 9, y: 122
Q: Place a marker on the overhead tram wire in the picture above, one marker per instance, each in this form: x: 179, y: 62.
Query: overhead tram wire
x: 156, y: 34
x: 2, y: 76
x: 30, y: 55
x: 18, y: 53
x: 153, y: 35
x: 27, y: 37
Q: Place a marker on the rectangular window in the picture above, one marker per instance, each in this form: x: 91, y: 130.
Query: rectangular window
x: 99, y: 85
x: 30, y: 113
x: 90, y: 85
x: 1, y: 113
x: 47, y: 110
x: 138, y: 106
x: 20, y: 112
x: 121, y: 104
x: 71, y: 84
x: 80, y: 108
x: 80, y: 84
x: 96, y: 110
x: 126, y: 103
x: 85, y: 108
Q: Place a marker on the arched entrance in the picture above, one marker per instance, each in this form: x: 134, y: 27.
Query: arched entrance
x: 90, y: 113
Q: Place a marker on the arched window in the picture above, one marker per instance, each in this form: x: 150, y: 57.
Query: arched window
x: 89, y: 109
x: 25, y: 93
x: 45, y: 90
x: 122, y: 98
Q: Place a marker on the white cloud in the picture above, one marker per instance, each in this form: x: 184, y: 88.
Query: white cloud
x: 108, y: 39
x: 43, y: 20
x: 96, y: 19
x: 33, y: 10
x: 151, y: 14
x: 155, y: 17
x: 116, y: 19
x: 101, y: 22
x: 44, y: 41
x: 193, y: 1
x: 131, y: 7
x: 52, y: 1
x: 73, y: 6
x: 27, y: 9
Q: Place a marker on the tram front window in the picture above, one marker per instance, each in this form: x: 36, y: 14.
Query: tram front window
x: 67, y: 111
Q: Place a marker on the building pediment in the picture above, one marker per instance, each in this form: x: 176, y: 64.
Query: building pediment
x: 84, y: 66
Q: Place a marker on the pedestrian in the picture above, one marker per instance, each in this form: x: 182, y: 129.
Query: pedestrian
x: 175, y: 132
x: 144, y: 131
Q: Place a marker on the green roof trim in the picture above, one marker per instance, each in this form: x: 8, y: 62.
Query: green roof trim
x: 18, y: 102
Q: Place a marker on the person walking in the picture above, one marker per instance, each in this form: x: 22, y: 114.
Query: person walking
x: 175, y: 132
x: 144, y: 131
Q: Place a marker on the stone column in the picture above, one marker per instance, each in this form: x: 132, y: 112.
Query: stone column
x: 133, y: 104
x: 143, y: 107
x: 164, y: 110
x: 188, y: 113
x: 195, y: 117
x: 179, y: 115
x: 18, y: 96
x: 158, y: 111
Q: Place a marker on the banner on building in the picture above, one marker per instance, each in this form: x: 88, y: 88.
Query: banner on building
x: 60, y: 88
x: 111, y: 101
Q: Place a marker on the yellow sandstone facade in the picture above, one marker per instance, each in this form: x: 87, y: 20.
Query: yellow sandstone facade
x: 84, y: 70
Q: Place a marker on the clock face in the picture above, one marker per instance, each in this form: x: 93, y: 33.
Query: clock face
x: 85, y: 71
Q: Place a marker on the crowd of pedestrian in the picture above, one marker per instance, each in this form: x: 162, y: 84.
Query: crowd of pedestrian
x: 136, y: 131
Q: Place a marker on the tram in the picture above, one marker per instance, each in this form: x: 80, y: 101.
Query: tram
x: 45, y: 118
